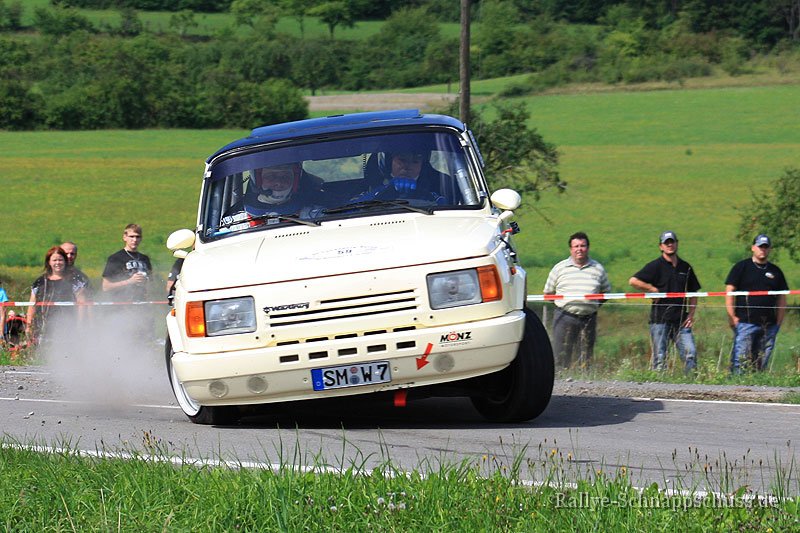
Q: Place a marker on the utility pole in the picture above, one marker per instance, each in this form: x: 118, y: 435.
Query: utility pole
x: 464, y: 63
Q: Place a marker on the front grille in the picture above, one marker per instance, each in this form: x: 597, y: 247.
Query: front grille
x: 351, y: 307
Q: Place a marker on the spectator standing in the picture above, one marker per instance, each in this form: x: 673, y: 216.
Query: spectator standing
x: 172, y: 278
x: 126, y: 274
x: 55, y: 285
x: 3, y: 298
x: 575, y: 321
x: 71, y: 249
x: 755, y: 319
x: 670, y: 318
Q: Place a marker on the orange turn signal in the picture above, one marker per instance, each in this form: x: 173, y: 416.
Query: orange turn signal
x: 195, y: 319
x: 491, y: 290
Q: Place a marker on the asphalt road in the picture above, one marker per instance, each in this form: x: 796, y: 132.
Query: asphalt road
x: 701, y: 445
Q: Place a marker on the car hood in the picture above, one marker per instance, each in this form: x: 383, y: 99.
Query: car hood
x: 338, y: 247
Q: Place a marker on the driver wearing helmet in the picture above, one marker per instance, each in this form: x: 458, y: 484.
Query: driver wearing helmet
x: 271, y: 190
x: 406, y: 174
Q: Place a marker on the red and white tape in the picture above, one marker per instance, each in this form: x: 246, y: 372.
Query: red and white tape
x: 531, y: 297
x: 650, y: 295
x: 70, y: 304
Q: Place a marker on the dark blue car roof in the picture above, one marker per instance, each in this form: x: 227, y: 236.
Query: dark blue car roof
x: 340, y: 123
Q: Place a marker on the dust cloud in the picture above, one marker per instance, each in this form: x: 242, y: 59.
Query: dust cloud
x: 112, y: 357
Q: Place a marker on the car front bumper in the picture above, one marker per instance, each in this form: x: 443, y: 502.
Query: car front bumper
x: 417, y: 358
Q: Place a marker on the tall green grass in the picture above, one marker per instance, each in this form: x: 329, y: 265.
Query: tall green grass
x: 56, y: 491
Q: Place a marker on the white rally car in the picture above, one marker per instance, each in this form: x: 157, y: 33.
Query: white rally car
x: 356, y: 254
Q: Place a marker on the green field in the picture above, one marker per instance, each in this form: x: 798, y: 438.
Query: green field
x: 211, y: 23
x: 640, y: 163
x: 637, y: 163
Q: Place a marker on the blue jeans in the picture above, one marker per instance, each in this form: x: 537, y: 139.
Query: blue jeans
x: 754, y: 341
x: 661, y: 334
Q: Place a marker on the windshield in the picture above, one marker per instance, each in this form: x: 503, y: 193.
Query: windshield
x: 352, y: 177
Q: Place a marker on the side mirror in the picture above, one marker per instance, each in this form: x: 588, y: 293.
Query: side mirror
x: 506, y: 199
x: 183, y: 238
x: 180, y: 254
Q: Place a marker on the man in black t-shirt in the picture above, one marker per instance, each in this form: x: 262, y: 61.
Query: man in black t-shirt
x: 670, y: 318
x: 755, y: 319
x: 127, y: 272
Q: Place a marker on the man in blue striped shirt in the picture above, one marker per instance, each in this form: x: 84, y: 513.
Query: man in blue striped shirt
x: 575, y: 322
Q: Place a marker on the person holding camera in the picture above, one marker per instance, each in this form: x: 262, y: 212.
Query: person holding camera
x: 127, y: 272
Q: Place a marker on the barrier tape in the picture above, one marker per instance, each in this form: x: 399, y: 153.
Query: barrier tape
x: 650, y: 295
x: 70, y: 304
x: 531, y: 297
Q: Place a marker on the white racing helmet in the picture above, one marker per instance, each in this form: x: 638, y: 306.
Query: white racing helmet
x: 273, y: 185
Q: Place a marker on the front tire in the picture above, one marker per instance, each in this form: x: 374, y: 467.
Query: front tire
x: 521, y: 391
x: 199, y: 414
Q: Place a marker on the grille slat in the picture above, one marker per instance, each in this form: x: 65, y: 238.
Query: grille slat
x: 350, y: 307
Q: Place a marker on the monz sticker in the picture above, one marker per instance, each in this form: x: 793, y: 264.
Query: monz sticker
x: 456, y: 336
x: 269, y: 309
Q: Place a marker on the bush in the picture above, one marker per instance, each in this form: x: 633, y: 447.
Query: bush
x: 734, y: 56
x: 247, y: 104
x: 11, y: 15
x: 60, y: 21
x: 80, y: 107
x: 20, y: 108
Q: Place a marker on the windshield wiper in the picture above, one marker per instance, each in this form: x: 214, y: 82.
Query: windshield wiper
x: 294, y: 217
x: 368, y: 204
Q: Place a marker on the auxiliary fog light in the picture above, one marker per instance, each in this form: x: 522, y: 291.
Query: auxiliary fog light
x: 218, y: 389
x: 257, y: 384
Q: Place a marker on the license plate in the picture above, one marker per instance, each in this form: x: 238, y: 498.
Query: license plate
x: 337, y: 377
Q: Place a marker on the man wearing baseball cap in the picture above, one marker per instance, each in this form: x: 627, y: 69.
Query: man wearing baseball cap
x: 755, y: 319
x: 670, y: 318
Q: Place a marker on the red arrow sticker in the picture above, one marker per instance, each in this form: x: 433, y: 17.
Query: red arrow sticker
x: 423, y: 359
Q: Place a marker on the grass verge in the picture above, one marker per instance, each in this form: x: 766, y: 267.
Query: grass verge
x: 65, y: 490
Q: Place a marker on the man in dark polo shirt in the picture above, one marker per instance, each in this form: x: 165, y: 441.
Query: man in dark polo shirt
x: 755, y: 319
x: 670, y: 318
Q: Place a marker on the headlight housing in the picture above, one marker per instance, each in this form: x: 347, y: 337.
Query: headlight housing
x: 464, y: 287
x: 221, y: 317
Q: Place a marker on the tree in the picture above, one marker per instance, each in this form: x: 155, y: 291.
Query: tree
x: 298, y: 9
x: 129, y: 23
x: 314, y: 65
x: 776, y: 213
x: 59, y: 21
x: 182, y: 21
x: 403, y: 42
x: 515, y: 155
x: 20, y: 107
x: 335, y: 13
x: 790, y: 10
x: 11, y: 15
x: 495, y: 37
x: 261, y: 15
